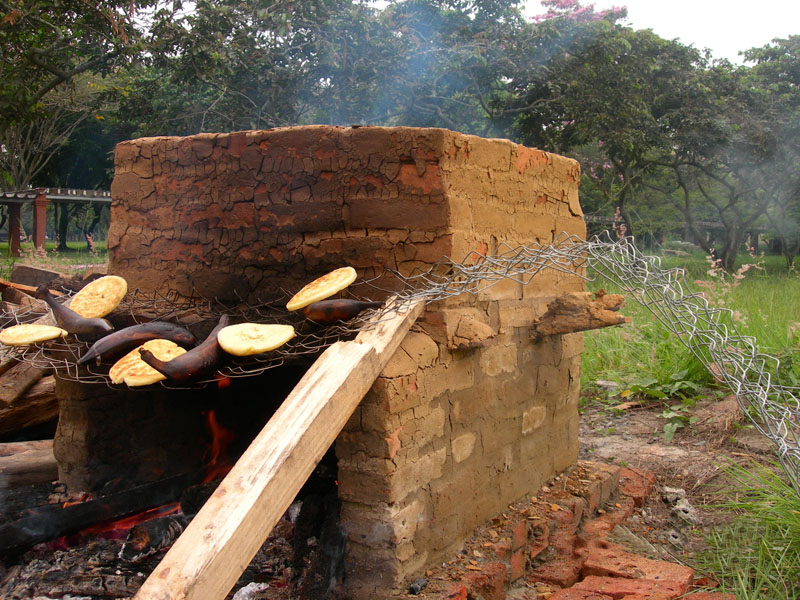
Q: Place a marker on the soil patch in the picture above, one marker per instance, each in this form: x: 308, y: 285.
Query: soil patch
x: 691, y: 463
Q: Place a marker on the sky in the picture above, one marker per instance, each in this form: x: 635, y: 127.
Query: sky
x: 725, y: 26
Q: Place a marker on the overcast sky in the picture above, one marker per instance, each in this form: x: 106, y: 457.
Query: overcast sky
x: 724, y: 26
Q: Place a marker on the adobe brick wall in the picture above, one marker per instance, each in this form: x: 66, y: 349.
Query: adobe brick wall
x: 238, y: 213
x: 470, y: 414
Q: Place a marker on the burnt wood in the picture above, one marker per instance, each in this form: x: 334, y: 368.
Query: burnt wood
x: 54, y: 520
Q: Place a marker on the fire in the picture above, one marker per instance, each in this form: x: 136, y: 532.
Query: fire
x: 119, y: 528
x: 82, y: 498
x: 114, y: 530
x: 223, y: 381
x: 220, y: 438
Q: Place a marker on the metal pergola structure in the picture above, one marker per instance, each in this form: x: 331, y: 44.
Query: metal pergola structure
x: 41, y: 197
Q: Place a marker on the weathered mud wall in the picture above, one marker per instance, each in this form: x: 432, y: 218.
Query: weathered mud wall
x: 248, y: 212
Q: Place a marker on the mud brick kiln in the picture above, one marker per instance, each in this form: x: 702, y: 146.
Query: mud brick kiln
x: 470, y: 414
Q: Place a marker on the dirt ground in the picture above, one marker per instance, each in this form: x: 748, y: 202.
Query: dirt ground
x: 690, y: 463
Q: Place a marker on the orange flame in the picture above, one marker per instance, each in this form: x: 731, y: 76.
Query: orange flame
x: 114, y: 530
x: 82, y: 498
x: 220, y: 438
x: 123, y: 525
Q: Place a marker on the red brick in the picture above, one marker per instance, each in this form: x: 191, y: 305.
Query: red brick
x: 563, y: 540
x: 457, y: 591
x: 607, y: 475
x: 636, y: 484
x: 619, y: 587
x: 540, y: 544
x: 578, y: 507
x: 595, y: 543
x: 570, y: 516
x: 519, y: 535
x: 603, y: 524
x: 616, y: 563
x: 502, y: 549
x: 573, y: 594
x: 562, y: 571
x: 489, y: 582
x: 517, y: 564
x: 594, y: 496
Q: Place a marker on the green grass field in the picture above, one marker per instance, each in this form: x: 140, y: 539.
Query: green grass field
x: 75, y: 257
x: 765, y: 303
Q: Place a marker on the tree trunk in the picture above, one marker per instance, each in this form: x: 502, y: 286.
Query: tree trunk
x: 88, y: 232
x: 626, y: 217
x: 733, y: 241
x: 63, y: 225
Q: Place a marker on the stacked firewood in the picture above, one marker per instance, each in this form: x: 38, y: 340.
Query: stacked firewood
x: 27, y: 398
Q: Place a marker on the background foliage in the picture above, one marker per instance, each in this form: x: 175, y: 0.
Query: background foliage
x: 666, y: 134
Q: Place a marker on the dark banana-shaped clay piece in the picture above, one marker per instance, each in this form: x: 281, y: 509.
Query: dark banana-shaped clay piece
x: 70, y: 320
x: 198, y: 361
x: 123, y: 340
x: 327, y: 312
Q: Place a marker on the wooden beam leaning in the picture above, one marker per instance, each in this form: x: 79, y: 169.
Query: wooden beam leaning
x: 222, y: 539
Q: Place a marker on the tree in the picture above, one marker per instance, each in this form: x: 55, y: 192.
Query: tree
x: 46, y: 44
x: 775, y: 80
x: 726, y: 162
x: 614, y: 90
x: 452, y: 64
x: 49, y: 51
x: 27, y: 146
x: 241, y: 65
x: 231, y: 65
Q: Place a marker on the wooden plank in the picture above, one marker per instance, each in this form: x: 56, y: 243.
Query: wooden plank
x: 7, y: 359
x: 15, y: 383
x: 12, y: 448
x: 21, y: 302
x: 28, y: 289
x: 16, y: 377
x: 27, y: 463
x: 39, y: 405
x: 220, y: 542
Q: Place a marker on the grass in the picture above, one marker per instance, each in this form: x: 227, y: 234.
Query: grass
x: 758, y: 554
x: 764, y: 304
x: 77, y: 255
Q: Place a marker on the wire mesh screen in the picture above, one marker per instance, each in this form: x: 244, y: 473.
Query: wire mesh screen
x: 710, y: 333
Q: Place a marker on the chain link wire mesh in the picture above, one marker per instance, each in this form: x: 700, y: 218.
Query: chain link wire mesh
x: 710, y: 333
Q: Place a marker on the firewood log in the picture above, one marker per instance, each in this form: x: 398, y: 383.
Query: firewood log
x: 27, y: 463
x: 35, y: 406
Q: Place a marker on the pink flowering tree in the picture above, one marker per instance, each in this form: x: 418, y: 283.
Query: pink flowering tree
x: 574, y: 10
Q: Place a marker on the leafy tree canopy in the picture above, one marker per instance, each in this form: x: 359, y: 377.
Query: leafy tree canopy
x: 45, y: 44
